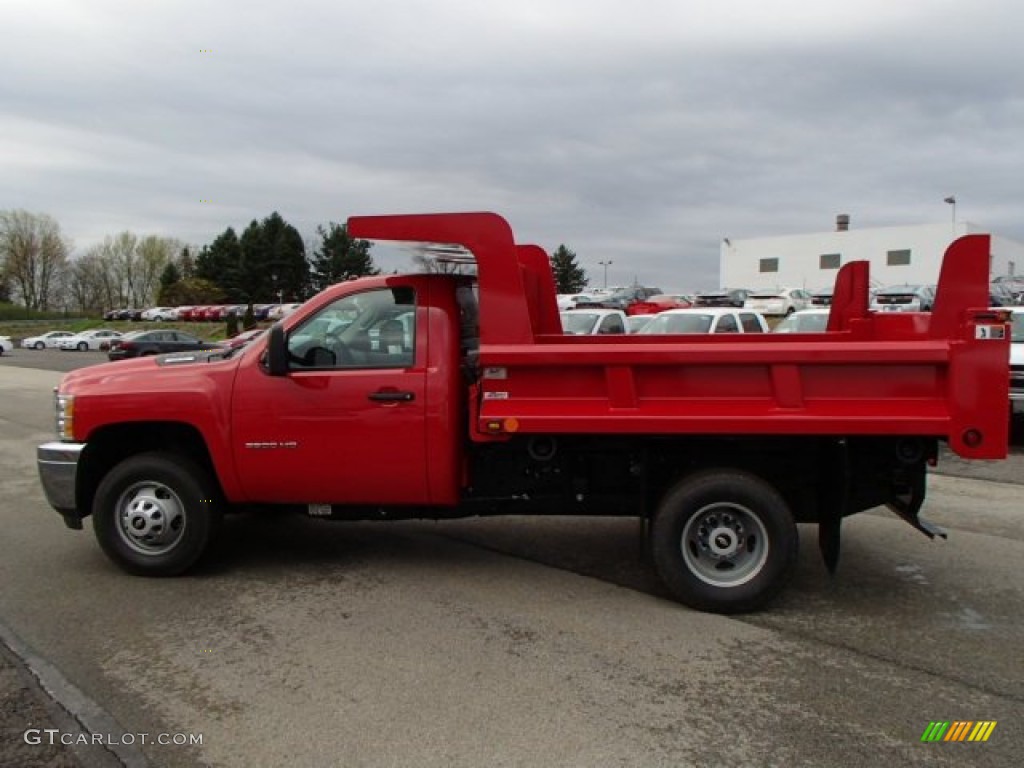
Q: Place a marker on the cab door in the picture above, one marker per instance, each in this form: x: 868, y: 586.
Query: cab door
x: 347, y: 424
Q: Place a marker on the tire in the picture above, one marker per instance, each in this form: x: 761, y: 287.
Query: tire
x: 724, y: 541
x: 39, y: 345
x: 82, y: 346
x: 156, y: 514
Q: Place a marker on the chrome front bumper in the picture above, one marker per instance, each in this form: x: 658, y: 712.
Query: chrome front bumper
x: 58, y: 468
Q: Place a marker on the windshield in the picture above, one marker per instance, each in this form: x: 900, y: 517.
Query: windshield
x: 1017, y: 328
x: 578, y: 323
x: 810, y: 323
x: 669, y: 323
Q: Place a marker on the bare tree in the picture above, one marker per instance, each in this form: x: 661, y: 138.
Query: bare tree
x: 88, y: 283
x: 154, y: 254
x: 34, y: 255
x: 120, y: 254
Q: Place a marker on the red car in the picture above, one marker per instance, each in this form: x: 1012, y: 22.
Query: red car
x: 654, y: 304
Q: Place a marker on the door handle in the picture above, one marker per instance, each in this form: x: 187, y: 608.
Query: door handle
x: 392, y: 396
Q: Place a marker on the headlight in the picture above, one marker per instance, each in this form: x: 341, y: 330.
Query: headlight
x: 65, y: 408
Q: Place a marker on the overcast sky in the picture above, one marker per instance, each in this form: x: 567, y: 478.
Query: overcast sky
x: 638, y: 132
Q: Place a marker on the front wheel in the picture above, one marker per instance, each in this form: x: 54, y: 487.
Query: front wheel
x: 156, y: 514
x: 724, y: 541
x: 39, y: 345
x: 82, y: 346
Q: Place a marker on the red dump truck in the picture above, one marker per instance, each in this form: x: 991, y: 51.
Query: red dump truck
x: 448, y: 395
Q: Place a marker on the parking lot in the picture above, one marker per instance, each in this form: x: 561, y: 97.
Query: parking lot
x: 519, y: 641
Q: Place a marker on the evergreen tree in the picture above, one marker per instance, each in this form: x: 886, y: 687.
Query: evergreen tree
x: 170, y: 275
x: 168, y: 278
x: 187, y: 263
x: 218, y: 263
x: 272, y: 261
x: 192, y: 291
x: 338, y: 257
x: 570, y: 277
x: 267, y: 261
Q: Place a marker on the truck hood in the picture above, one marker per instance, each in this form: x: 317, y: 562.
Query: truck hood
x: 142, y: 370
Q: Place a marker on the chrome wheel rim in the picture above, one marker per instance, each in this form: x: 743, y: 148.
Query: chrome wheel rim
x: 150, y: 518
x: 724, y: 544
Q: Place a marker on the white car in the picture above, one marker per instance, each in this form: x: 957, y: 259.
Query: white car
x: 98, y: 338
x: 587, y: 322
x: 635, y: 323
x: 6, y: 345
x: 705, y: 320
x: 160, y: 313
x: 804, y: 321
x: 281, y: 311
x: 48, y: 340
x: 568, y: 300
x: 778, y: 301
x: 1017, y: 360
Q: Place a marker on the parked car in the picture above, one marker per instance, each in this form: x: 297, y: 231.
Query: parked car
x: 568, y: 300
x: 659, y: 303
x: 619, y: 298
x: 145, y: 343
x: 98, y: 338
x: 282, y: 310
x: 160, y: 314
x: 822, y: 297
x: 778, y: 301
x: 635, y: 323
x: 904, y: 298
x: 587, y: 322
x: 724, y: 297
x: 706, y: 320
x: 813, y: 320
x: 261, y: 311
x: 45, y: 340
x: 1017, y: 360
x: 1001, y: 295
x: 6, y: 345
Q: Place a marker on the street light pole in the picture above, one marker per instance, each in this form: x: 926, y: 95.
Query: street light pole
x: 952, y: 202
x: 605, y: 264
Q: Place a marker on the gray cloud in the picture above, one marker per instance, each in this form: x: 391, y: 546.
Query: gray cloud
x: 643, y: 134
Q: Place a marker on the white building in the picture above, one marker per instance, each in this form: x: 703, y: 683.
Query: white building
x: 898, y: 255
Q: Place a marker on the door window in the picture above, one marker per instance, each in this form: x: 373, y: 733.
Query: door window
x: 750, y: 323
x: 727, y: 324
x: 373, y: 329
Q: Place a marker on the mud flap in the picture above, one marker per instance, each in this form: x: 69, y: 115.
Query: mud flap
x: 835, y: 497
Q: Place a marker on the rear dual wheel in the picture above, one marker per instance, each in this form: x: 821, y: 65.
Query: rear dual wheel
x: 724, y: 541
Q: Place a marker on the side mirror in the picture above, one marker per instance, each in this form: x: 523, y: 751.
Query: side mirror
x: 277, y: 351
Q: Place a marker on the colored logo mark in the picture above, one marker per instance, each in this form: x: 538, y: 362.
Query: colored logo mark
x: 958, y: 730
